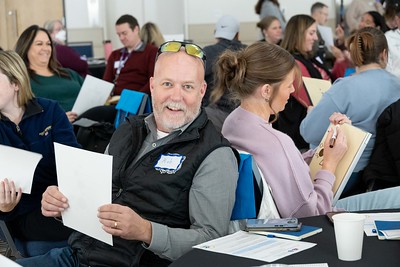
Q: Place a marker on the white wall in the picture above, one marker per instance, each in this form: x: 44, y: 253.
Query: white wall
x: 172, y: 16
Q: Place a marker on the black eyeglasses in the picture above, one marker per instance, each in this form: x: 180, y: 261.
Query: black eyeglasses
x: 190, y: 48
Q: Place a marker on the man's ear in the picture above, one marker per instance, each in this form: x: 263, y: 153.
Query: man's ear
x: 151, y: 84
x: 203, y: 88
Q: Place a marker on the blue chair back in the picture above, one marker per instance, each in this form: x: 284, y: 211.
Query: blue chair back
x: 131, y: 103
x: 245, y: 203
x: 349, y: 72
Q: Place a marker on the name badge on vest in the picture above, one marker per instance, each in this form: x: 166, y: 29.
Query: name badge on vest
x: 169, y: 163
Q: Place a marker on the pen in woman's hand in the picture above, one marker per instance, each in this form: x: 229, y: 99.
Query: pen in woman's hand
x: 334, y: 136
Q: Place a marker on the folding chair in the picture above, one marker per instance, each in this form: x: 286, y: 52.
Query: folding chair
x: 131, y: 103
x: 11, y: 251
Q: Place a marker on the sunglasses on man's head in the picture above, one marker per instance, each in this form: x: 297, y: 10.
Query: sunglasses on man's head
x: 190, y: 48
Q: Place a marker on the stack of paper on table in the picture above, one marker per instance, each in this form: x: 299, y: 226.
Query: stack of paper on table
x: 259, y: 247
x: 304, y: 232
x: 388, y: 230
x: 357, y: 140
x: 370, y: 218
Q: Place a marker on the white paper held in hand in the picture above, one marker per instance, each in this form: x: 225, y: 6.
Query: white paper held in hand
x: 18, y: 165
x: 85, y: 179
x: 94, y: 92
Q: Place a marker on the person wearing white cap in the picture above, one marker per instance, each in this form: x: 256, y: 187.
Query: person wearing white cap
x: 227, y: 35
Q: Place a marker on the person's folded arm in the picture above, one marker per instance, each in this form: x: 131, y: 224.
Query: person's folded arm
x: 211, y: 200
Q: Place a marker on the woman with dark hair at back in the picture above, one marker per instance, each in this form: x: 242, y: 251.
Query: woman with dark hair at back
x: 362, y: 97
x: 368, y: 19
x: 48, y: 78
x: 301, y: 33
x: 33, y: 124
x: 373, y: 19
x: 266, y: 8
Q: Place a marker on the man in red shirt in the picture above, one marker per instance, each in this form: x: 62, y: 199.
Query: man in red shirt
x: 132, y: 66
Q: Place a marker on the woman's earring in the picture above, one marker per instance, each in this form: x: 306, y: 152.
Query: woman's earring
x: 267, y: 100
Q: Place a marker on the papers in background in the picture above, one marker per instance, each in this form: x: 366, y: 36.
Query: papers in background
x: 370, y: 218
x: 6, y: 262
x: 316, y: 88
x: 327, y: 36
x: 94, y: 92
x: 85, y: 178
x: 19, y: 166
x: 246, y: 245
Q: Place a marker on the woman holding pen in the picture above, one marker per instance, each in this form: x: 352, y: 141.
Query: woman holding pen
x: 361, y: 97
x: 261, y: 77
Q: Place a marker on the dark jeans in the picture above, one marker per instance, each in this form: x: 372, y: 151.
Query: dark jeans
x: 35, y: 234
x: 65, y: 257
x: 58, y: 257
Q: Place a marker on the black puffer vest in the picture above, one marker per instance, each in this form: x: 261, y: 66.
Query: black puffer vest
x: 154, y: 194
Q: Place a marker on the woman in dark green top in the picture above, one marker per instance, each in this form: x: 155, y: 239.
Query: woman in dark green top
x: 48, y: 79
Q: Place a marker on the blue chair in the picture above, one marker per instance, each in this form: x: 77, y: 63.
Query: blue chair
x: 253, y: 195
x: 349, y: 72
x: 245, y: 202
x: 131, y: 103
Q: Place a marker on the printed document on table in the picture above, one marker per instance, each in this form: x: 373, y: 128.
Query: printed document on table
x: 18, y: 165
x: 85, y: 179
x: 370, y: 218
x: 252, y: 246
x: 94, y: 92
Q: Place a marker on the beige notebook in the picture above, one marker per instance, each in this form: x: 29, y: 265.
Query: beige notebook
x: 357, y: 140
x: 316, y: 88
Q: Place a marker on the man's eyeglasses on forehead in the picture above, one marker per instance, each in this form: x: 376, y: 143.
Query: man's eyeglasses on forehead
x: 190, y: 48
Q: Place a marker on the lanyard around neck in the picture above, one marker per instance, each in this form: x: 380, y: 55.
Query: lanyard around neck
x: 122, y: 60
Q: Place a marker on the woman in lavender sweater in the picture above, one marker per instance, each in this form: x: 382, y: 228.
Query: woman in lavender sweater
x: 261, y: 77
